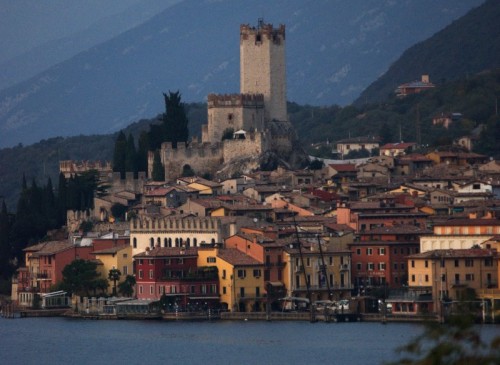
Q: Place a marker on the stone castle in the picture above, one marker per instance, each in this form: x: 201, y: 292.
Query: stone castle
x: 257, y: 117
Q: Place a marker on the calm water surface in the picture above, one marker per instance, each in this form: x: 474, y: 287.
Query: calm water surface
x: 70, y: 341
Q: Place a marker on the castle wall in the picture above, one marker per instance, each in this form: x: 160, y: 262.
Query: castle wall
x: 263, y: 68
x: 236, y: 111
x: 201, y: 157
x: 254, y: 145
x: 128, y: 184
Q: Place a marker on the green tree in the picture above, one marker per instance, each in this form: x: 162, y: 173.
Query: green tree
x: 142, y: 152
x: 227, y: 134
x: 453, y: 343
x: 158, y: 170
x: 187, y: 171
x: 385, y: 134
x: 120, y: 154
x: 131, y: 155
x: 81, y: 277
x: 6, y: 268
x: 175, y: 122
x: 126, y: 287
x: 114, y: 275
x: 118, y: 211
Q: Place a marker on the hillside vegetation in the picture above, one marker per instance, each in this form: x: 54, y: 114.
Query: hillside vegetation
x: 469, y: 45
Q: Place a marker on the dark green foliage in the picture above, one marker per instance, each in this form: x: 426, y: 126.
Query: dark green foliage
x: 126, y: 287
x: 187, y: 171
x: 118, y: 211
x: 385, y: 134
x: 469, y: 45
x: 114, y: 275
x: 175, y: 122
x: 227, y: 134
x: 316, y: 165
x: 131, y: 155
x: 158, y: 170
x: 6, y: 268
x: 120, y: 154
x: 81, y: 277
x: 453, y: 343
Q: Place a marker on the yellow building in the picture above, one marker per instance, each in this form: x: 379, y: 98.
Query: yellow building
x: 451, y: 274
x: 240, y: 276
x: 119, y: 257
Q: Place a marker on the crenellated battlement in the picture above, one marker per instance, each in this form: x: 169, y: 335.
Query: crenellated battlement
x: 174, y: 224
x: 264, y: 30
x: 235, y: 100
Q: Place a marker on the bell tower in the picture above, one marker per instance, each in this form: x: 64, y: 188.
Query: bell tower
x: 263, y: 68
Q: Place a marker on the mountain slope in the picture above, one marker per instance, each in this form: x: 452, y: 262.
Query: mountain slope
x: 334, y: 49
x: 37, y: 59
x: 468, y: 45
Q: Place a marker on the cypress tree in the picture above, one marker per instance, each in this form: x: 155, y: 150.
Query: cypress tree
x: 142, y: 152
x: 120, y: 154
x: 131, y: 155
x: 158, y: 170
x: 175, y: 122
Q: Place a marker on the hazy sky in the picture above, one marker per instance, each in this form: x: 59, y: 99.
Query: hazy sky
x: 27, y: 23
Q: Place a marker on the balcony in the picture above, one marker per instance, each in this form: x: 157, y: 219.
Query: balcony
x: 324, y: 287
x: 299, y: 268
x: 344, y: 267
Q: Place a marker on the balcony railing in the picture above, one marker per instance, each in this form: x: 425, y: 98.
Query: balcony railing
x: 324, y: 287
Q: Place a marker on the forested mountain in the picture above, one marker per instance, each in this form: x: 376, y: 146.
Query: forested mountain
x: 467, y: 46
x: 335, y: 48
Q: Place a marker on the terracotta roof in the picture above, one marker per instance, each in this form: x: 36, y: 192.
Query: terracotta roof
x: 169, y: 252
x: 470, y: 222
x: 343, y: 167
x: 461, y: 253
x: 236, y: 257
x: 397, y: 146
x: 52, y: 247
x: 111, y: 250
x: 398, y: 229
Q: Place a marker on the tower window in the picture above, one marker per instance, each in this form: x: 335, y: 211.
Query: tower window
x: 258, y: 38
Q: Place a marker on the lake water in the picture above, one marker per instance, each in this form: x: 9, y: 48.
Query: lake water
x: 70, y: 341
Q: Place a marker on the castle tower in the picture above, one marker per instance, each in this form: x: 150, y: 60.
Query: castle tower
x: 262, y: 66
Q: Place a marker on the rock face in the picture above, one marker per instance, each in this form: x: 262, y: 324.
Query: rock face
x: 262, y: 137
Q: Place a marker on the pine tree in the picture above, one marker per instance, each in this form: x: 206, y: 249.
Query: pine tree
x: 158, y: 170
x: 62, y: 200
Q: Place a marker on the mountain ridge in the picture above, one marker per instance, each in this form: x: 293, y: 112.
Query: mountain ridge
x: 120, y: 81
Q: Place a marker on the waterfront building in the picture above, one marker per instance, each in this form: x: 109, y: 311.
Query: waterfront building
x: 172, y: 273
x: 452, y: 274
x: 116, y: 257
x: 241, y: 278
x: 379, y: 257
x: 324, y: 275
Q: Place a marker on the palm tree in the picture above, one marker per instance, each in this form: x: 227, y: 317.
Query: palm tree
x: 114, y: 275
x: 126, y: 287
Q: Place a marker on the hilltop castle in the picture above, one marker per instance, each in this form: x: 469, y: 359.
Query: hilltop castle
x: 256, y: 117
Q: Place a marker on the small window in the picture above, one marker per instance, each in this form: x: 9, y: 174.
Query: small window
x: 256, y: 273
x: 370, y: 266
x: 368, y: 251
x: 242, y: 274
x: 211, y: 259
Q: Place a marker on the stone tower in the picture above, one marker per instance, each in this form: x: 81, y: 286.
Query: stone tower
x: 262, y: 67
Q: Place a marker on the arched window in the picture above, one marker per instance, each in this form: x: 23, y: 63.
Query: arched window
x: 188, y: 242
x: 135, y: 242
x: 158, y: 241
x: 176, y: 242
x: 169, y: 242
x: 195, y: 242
x: 165, y: 242
x: 213, y: 240
x: 151, y: 242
